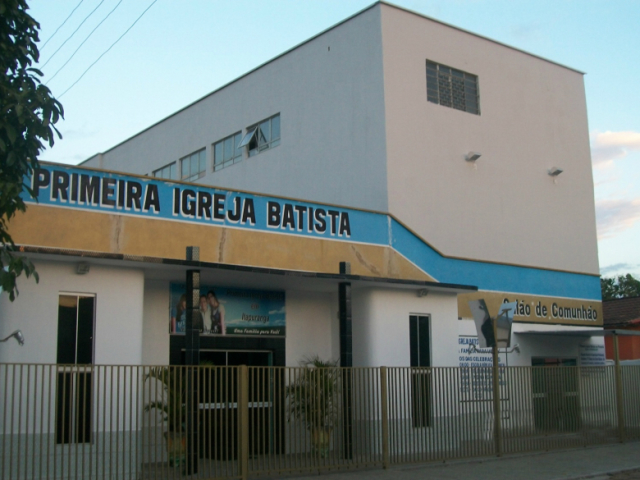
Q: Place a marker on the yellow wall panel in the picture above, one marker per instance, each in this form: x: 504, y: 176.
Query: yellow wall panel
x: 121, y: 234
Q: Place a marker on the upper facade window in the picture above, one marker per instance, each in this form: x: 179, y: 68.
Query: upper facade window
x: 452, y: 88
x: 262, y: 136
x: 193, y: 166
x: 227, y: 151
x: 168, y: 172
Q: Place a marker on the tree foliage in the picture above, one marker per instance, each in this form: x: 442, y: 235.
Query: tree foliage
x: 622, y: 286
x: 28, y: 113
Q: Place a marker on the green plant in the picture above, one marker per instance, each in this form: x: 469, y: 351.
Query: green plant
x: 314, y: 397
x: 29, y: 113
x: 172, y: 398
x: 171, y: 401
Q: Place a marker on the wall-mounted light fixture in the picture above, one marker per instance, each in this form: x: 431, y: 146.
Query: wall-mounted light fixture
x: 422, y: 292
x: 17, y: 335
x: 82, y: 268
x: 472, y: 156
x: 554, y: 171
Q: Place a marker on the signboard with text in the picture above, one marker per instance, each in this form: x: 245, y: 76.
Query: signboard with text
x: 230, y: 311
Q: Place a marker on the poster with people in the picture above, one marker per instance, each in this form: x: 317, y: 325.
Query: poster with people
x: 229, y: 311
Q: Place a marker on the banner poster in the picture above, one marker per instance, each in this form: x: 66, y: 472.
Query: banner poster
x: 476, y: 372
x: 592, y: 357
x: 230, y: 311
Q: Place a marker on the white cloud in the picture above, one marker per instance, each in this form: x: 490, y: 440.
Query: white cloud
x: 609, y: 146
x: 613, y: 216
x: 616, y: 268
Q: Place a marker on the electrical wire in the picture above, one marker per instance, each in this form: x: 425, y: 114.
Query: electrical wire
x: 74, y: 32
x: 65, y: 21
x: 83, y: 42
x: 105, y: 52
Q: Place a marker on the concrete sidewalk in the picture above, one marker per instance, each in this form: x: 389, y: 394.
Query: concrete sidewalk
x: 596, y: 463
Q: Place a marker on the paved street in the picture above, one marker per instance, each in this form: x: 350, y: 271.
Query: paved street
x: 608, y: 462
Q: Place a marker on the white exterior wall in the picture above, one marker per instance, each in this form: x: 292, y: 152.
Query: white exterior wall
x: 118, y: 322
x: 329, y: 94
x: 505, y: 207
x: 312, y: 326
x: 381, y: 327
x: 155, y: 342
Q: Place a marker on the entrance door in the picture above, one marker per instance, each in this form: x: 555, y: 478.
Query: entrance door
x: 420, y: 356
x: 556, y: 403
x: 219, y: 403
x: 76, y: 315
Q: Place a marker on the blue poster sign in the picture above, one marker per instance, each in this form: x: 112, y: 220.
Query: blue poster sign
x: 230, y: 311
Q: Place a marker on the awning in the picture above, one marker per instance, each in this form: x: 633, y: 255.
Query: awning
x: 582, y: 333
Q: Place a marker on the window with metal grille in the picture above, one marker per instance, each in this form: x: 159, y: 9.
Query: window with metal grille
x: 227, y: 151
x: 193, y: 166
x: 452, y: 88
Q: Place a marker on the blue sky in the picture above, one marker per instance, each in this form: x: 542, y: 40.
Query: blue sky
x: 180, y: 50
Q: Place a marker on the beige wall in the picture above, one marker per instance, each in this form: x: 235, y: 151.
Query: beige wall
x: 69, y: 229
x: 506, y: 208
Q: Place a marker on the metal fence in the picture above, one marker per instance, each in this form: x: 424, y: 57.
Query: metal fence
x: 139, y: 422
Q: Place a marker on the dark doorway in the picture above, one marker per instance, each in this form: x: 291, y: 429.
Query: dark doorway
x: 556, y: 401
x: 420, y: 356
x: 74, y: 388
x: 218, y: 403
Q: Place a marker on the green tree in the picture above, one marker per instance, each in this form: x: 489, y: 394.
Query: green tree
x: 622, y: 286
x: 28, y: 113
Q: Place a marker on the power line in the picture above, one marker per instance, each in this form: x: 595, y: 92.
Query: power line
x: 74, y: 32
x: 83, y: 42
x: 65, y: 21
x: 105, y: 52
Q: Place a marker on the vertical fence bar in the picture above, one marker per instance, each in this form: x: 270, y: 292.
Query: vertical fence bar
x: 497, y: 434
x: 384, y: 417
x: 619, y: 400
x: 243, y: 413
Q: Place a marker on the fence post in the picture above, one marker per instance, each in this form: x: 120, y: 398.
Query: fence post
x: 384, y: 413
x: 619, y: 403
x: 243, y: 411
x: 497, y: 430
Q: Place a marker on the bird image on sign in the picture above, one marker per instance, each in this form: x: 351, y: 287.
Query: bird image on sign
x: 484, y: 323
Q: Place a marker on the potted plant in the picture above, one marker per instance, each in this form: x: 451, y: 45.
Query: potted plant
x: 173, y: 410
x: 314, y: 398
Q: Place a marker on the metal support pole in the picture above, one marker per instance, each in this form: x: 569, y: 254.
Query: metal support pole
x: 192, y: 359
x: 384, y: 413
x: 346, y: 360
x: 619, y: 403
x: 497, y: 430
x: 243, y: 411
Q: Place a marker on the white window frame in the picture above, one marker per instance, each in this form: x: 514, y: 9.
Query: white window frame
x: 201, y: 171
x: 168, y: 166
x: 253, y: 133
x: 237, y: 149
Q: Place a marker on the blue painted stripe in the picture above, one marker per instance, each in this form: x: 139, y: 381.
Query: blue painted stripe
x: 491, y: 276
x: 365, y: 227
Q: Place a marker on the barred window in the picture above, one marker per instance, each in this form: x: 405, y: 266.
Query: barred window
x: 452, y: 88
